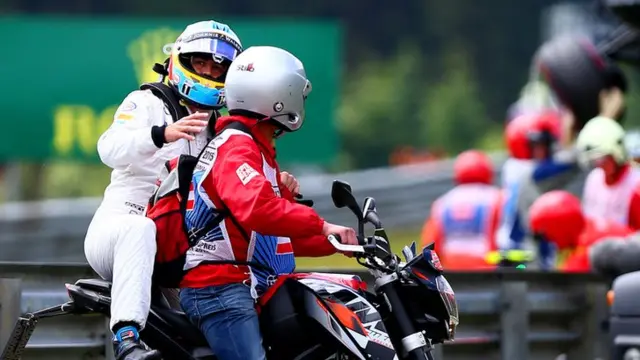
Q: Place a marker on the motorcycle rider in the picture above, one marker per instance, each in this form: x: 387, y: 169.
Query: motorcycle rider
x: 557, y: 216
x: 120, y: 242
x: 266, y: 89
x: 612, y: 188
x: 464, y: 221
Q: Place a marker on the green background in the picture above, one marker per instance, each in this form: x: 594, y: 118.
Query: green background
x: 64, y: 77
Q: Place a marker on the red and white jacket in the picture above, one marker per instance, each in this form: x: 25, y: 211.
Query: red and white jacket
x: 239, y: 172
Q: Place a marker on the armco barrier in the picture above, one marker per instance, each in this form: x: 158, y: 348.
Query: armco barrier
x: 54, y: 230
x: 504, y: 315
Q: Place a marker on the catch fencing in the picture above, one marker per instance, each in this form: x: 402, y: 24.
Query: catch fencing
x: 508, y: 315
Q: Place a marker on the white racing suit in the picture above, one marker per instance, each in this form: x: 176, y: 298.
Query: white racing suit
x: 120, y: 244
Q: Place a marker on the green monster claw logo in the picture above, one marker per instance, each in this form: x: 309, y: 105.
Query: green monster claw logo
x: 77, y: 127
x: 147, y: 50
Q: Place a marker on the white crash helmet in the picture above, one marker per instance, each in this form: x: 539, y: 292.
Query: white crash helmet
x: 601, y: 137
x: 270, y: 82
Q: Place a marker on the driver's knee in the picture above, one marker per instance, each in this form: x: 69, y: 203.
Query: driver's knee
x: 137, y: 233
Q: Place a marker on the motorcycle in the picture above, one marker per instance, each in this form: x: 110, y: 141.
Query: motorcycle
x: 312, y: 315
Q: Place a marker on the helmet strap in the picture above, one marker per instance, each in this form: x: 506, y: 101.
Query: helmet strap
x: 162, y: 69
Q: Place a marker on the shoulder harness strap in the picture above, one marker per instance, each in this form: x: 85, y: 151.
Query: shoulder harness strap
x: 168, y: 95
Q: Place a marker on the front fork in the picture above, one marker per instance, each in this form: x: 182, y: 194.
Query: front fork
x: 410, y: 343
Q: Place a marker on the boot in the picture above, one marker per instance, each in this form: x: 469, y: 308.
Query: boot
x: 127, y: 346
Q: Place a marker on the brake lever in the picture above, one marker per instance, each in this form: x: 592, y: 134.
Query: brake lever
x: 302, y: 201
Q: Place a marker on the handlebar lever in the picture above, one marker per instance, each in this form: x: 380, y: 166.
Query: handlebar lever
x: 302, y: 201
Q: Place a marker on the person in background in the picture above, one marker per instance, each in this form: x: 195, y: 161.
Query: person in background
x: 463, y: 221
x: 611, y: 190
x: 534, y: 136
x: 557, y: 216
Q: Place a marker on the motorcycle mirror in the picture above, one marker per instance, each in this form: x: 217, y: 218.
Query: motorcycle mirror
x: 343, y: 197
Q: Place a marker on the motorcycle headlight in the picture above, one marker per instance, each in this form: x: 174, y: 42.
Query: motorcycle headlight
x: 449, y: 300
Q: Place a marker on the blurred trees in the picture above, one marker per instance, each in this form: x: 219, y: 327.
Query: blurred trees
x: 394, y: 102
x: 495, y: 41
x: 425, y: 74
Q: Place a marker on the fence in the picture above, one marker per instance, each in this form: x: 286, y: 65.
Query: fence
x: 54, y: 230
x: 504, y: 315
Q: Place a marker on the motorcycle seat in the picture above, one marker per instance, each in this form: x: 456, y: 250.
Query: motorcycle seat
x: 181, y: 324
x: 98, y: 285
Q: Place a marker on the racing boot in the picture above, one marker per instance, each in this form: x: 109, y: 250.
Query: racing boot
x: 127, y: 346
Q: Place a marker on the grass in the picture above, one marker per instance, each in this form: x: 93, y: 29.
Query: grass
x: 397, y: 238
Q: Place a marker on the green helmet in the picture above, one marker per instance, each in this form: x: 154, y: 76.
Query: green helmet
x: 600, y: 137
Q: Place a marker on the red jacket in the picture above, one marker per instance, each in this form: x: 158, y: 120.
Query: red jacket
x: 238, y: 181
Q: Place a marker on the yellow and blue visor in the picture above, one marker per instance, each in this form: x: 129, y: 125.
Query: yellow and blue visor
x: 203, y: 92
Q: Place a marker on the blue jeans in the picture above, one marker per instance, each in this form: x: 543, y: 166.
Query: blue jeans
x: 227, y: 317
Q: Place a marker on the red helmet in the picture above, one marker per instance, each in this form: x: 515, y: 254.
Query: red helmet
x: 473, y: 166
x: 528, y: 128
x: 557, y: 215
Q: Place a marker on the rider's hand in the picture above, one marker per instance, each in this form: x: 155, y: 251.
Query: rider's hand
x: 345, y: 234
x: 290, y: 182
x: 186, y: 127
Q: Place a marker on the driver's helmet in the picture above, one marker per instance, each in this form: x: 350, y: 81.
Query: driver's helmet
x: 557, y: 216
x: 473, y: 166
x: 599, y: 138
x: 208, y: 39
x: 632, y: 144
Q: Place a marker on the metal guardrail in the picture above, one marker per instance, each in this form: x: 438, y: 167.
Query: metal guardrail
x: 54, y: 230
x: 504, y: 315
